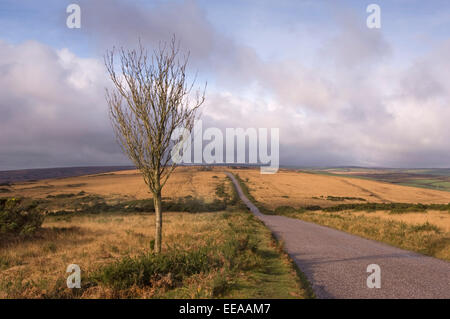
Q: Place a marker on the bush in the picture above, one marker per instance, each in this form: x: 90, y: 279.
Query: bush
x: 426, y: 227
x: 339, y: 198
x: 194, y: 205
x: 313, y: 207
x: 62, y: 195
x: 17, y: 218
x: 147, y: 269
x: 394, y: 208
x: 221, y: 285
x: 220, y: 191
x: 239, y: 251
x: 285, y: 210
x: 186, y: 204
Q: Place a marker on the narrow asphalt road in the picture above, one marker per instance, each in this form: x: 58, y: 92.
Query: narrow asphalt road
x: 336, y: 262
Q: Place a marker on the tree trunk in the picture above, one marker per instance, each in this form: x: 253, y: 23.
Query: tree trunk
x: 158, y: 221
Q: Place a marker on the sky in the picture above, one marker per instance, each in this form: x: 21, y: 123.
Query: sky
x: 340, y: 93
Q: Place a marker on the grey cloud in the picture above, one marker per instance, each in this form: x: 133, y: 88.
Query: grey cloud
x: 353, y: 107
x: 118, y: 23
x: 53, y: 109
x: 419, y: 82
x: 428, y: 77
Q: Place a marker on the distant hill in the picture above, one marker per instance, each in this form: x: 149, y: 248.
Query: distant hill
x: 24, y: 175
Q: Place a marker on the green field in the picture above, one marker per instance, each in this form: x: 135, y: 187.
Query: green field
x: 438, y: 179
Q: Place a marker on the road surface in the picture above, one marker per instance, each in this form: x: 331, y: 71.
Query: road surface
x: 335, y: 262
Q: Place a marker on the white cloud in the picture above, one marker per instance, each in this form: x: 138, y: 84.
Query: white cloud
x: 52, y: 109
x: 352, y: 105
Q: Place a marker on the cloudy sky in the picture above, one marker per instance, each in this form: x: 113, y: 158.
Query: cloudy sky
x: 341, y: 93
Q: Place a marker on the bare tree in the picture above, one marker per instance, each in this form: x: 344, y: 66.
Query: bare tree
x: 151, y: 98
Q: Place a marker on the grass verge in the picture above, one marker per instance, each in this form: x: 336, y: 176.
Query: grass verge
x: 245, y: 263
x: 425, y: 238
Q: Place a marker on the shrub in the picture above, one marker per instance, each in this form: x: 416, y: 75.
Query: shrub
x: 239, y: 251
x: 186, y: 204
x: 339, y: 198
x: 409, y: 209
x: 285, y: 210
x: 147, y: 269
x: 194, y: 205
x: 17, y: 218
x: 220, y: 285
x: 62, y: 195
x: 394, y: 208
x: 220, y: 191
x: 313, y: 207
x: 426, y: 227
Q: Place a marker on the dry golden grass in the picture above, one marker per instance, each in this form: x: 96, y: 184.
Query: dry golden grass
x: 125, y: 184
x: 296, y: 189
x: 439, y: 218
x: 428, y: 235
x: 287, y: 187
x: 36, y: 268
x: 424, y: 232
x: 90, y: 241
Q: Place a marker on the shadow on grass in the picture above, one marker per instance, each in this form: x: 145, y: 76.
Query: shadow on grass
x: 49, y: 234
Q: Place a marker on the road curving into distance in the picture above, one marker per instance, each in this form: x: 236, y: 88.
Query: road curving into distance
x: 335, y: 262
